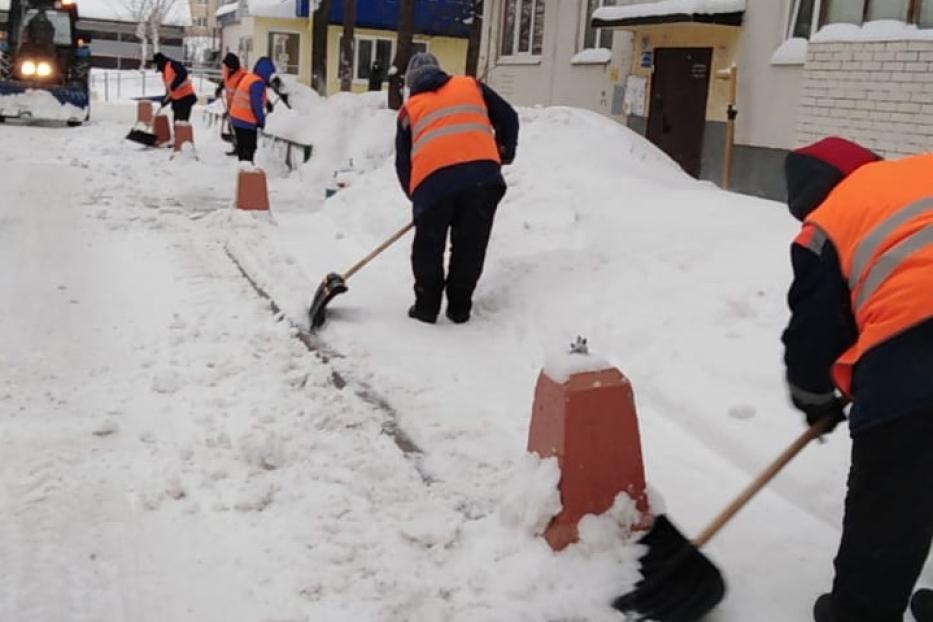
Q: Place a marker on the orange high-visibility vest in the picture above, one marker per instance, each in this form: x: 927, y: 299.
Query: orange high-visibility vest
x: 448, y: 126
x: 880, y: 220
x: 231, y: 80
x: 240, y: 107
x: 184, y: 89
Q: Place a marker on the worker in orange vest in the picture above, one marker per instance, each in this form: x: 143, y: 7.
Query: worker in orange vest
x: 249, y: 106
x: 861, y: 331
x: 178, y: 88
x: 231, y: 74
x: 453, y: 135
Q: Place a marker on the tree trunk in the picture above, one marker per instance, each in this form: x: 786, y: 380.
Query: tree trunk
x: 476, y: 36
x: 319, y: 48
x: 143, y: 51
x: 406, y: 27
x: 347, y: 45
x: 154, y: 35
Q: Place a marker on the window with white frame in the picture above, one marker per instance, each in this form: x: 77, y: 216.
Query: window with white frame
x: 807, y: 16
x: 595, y: 37
x: 522, y: 27
x: 368, y: 50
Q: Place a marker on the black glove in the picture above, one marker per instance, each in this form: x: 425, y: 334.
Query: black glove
x: 833, y: 409
x: 269, y: 107
x: 166, y: 101
x: 506, y: 154
x: 219, y: 90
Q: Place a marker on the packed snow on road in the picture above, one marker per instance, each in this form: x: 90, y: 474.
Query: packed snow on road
x: 170, y: 450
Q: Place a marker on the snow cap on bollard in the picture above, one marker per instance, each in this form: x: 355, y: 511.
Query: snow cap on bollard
x: 584, y: 415
x: 144, y: 111
x: 161, y: 129
x: 251, y: 190
x: 184, y: 133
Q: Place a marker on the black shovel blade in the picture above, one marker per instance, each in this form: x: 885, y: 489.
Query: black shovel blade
x: 332, y: 285
x: 679, y: 584
x: 142, y: 137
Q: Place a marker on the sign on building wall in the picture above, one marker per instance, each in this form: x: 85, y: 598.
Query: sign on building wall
x: 635, y: 87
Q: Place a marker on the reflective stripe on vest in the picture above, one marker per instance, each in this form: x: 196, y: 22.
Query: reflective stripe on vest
x: 184, y: 89
x: 241, y: 108
x: 880, y: 220
x: 449, y: 126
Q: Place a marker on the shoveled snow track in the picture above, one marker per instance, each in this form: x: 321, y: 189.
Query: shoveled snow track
x: 340, y: 380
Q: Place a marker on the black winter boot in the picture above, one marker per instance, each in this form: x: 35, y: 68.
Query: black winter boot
x: 823, y: 608
x: 417, y: 314
x: 921, y: 605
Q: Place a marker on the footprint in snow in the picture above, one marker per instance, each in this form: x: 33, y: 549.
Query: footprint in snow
x: 742, y: 412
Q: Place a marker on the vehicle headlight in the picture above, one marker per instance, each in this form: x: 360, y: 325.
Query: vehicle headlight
x: 43, y: 69
x: 28, y: 68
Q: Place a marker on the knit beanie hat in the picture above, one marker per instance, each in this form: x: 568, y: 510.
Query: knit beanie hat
x: 813, y: 171
x: 419, y: 65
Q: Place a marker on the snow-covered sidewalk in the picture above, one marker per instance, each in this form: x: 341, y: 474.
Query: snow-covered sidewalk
x: 168, y: 450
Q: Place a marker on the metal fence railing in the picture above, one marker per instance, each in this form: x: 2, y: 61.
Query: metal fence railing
x: 129, y: 84
x: 291, y: 152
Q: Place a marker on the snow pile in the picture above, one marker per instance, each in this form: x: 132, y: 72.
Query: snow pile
x: 594, y: 56
x: 879, y: 30
x: 41, y: 105
x: 668, y: 7
x: 792, y: 52
x: 272, y: 8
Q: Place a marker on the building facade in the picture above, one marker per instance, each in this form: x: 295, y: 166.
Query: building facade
x: 804, y: 69
x: 283, y: 32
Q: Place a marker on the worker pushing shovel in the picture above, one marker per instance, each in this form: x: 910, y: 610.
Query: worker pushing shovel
x: 452, y: 137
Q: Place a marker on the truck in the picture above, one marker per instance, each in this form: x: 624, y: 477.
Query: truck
x: 44, y: 63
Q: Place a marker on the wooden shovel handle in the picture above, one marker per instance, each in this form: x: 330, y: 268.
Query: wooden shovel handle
x: 365, y: 260
x: 761, y: 481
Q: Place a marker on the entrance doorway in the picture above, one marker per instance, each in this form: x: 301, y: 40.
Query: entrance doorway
x: 677, y: 113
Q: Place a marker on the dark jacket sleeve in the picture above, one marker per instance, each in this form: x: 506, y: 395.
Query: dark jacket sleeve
x: 256, y: 91
x: 181, y: 74
x: 821, y: 326
x: 504, y: 120
x: 403, y: 151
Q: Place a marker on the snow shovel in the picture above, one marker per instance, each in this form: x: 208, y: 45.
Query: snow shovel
x: 335, y: 284
x: 679, y: 583
x: 144, y: 137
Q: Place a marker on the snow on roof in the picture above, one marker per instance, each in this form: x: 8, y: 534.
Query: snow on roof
x: 115, y: 10
x: 272, y: 8
x: 880, y: 30
x: 226, y: 9
x: 669, y: 7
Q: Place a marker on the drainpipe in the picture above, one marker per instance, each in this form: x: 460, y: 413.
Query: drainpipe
x: 731, y: 74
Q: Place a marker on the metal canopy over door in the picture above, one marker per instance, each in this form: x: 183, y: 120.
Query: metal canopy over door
x: 677, y: 116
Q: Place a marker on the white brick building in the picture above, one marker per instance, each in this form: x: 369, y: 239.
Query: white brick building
x: 878, y: 93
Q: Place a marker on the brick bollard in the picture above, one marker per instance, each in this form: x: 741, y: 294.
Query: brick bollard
x: 184, y: 133
x: 585, y: 416
x: 161, y: 129
x: 144, y: 111
x: 251, y: 190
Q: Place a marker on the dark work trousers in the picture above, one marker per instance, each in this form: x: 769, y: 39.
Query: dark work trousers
x: 181, y: 108
x: 468, y: 215
x: 245, y: 143
x: 888, y: 521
